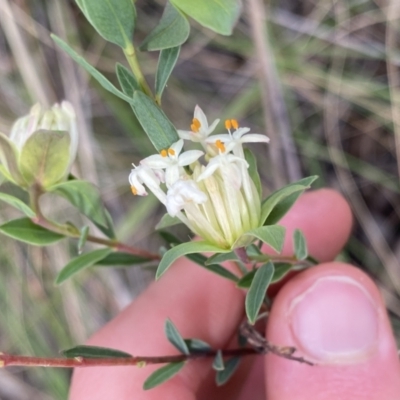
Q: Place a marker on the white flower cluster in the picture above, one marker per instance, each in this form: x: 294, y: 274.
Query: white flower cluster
x: 218, y: 201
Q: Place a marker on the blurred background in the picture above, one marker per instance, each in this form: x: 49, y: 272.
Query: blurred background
x: 321, y: 78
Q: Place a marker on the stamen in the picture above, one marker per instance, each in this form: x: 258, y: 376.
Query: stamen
x: 228, y: 124
x: 195, y: 127
x: 163, y: 153
x: 220, y: 146
x: 171, y: 152
x: 134, y: 190
x: 234, y: 123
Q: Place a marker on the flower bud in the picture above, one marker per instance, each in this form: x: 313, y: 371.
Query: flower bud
x: 42, y: 146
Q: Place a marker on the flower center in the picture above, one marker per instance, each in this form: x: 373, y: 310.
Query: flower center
x: 163, y: 153
x: 171, y: 152
x: 220, y: 146
x: 195, y: 127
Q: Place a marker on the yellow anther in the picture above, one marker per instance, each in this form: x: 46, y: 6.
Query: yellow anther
x: 234, y: 123
x: 195, y: 127
x: 171, y: 152
x: 220, y: 146
x: 134, y: 190
x: 163, y: 153
x: 228, y: 124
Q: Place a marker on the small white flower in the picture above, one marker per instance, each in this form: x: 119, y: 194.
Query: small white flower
x: 181, y: 193
x: 172, y: 161
x: 142, y: 175
x: 233, y: 141
x: 199, y: 127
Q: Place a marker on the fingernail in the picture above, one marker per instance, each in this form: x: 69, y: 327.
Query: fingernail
x: 335, y: 320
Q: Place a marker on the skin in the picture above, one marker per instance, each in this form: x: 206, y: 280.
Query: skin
x: 333, y: 314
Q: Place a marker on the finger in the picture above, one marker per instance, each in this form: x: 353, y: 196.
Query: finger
x: 199, y: 303
x: 334, y: 315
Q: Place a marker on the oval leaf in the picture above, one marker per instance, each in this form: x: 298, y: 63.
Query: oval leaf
x: 166, y: 63
x: 197, y: 345
x: 253, y: 171
x: 175, y: 338
x: 85, y: 197
x: 273, y: 235
x: 114, y: 20
x: 126, y: 79
x: 45, y: 157
x: 217, y: 15
x: 162, y: 375
x: 277, y: 204
x: 258, y: 288
x: 183, y: 249
x: 230, y: 367
x: 81, y: 262
x: 18, y: 204
x: 154, y: 122
x: 25, y: 230
x: 83, y: 234
x: 94, y: 352
x: 172, y: 30
x: 9, y: 159
x: 300, y: 245
x: 218, y: 363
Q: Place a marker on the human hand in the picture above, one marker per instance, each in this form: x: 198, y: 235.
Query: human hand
x: 333, y: 315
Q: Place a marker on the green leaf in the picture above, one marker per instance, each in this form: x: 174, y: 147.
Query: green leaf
x: 154, y: 122
x: 109, y: 229
x: 171, y: 239
x: 222, y: 257
x: 300, y: 245
x: 281, y: 269
x: 45, y: 157
x: 217, y: 15
x: 183, y: 249
x: 258, y: 288
x: 104, y: 82
x: 218, y: 363
x: 94, y: 352
x: 126, y: 79
x: 253, y: 171
x: 18, y: 204
x: 9, y: 159
x: 162, y: 375
x: 272, y: 235
x: 25, y: 230
x: 166, y: 63
x: 114, y: 20
x: 167, y: 221
x: 123, y: 259
x: 81, y: 262
x: 172, y: 30
x: 197, y: 346
x: 246, y: 280
x: 277, y: 204
x: 85, y: 197
x: 175, y: 338
x: 84, y: 232
x: 230, y: 367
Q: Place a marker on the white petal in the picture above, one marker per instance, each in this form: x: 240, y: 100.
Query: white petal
x: 224, y: 137
x: 187, y: 135
x: 199, y: 114
x: 156, y: 161
x: 177, y: 147
x: 208, y: 171
x: 171, y: 175
x: 240, y: 132
x: 254, y: 138
x: 212, y: 126
x: 189, y: 157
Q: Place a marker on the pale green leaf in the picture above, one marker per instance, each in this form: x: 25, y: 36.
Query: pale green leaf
x: 122, y: 259
x: 126, y: 79
x: 273, y: 235
x: 83, y: 234
x: 81, y: 262
x: 45, y: 157
x: 281, y: 269
x: 9, y: 159
x: 172, y: 30
x: 25, y: 230
x: 217, y: 15
x: 246, y: 280
x: 257, y: 291
x: 218, y: 363
x: 114, y: 20
x: 277, y: 204
x: 197, y: 346
x: 253, y: 171
x: 183, y: 249
x: 167, y: 221
x: 94, y: 352
x: 162, y: 375
x: 222, y: 257
x: 18, y: 204
x: 154, y: 122
x: 300, y: 245
x: 231, y: 366
x: 166, y: 63
x: 175, y: 337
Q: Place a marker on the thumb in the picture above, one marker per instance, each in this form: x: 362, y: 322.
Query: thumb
x: 334, y: 316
